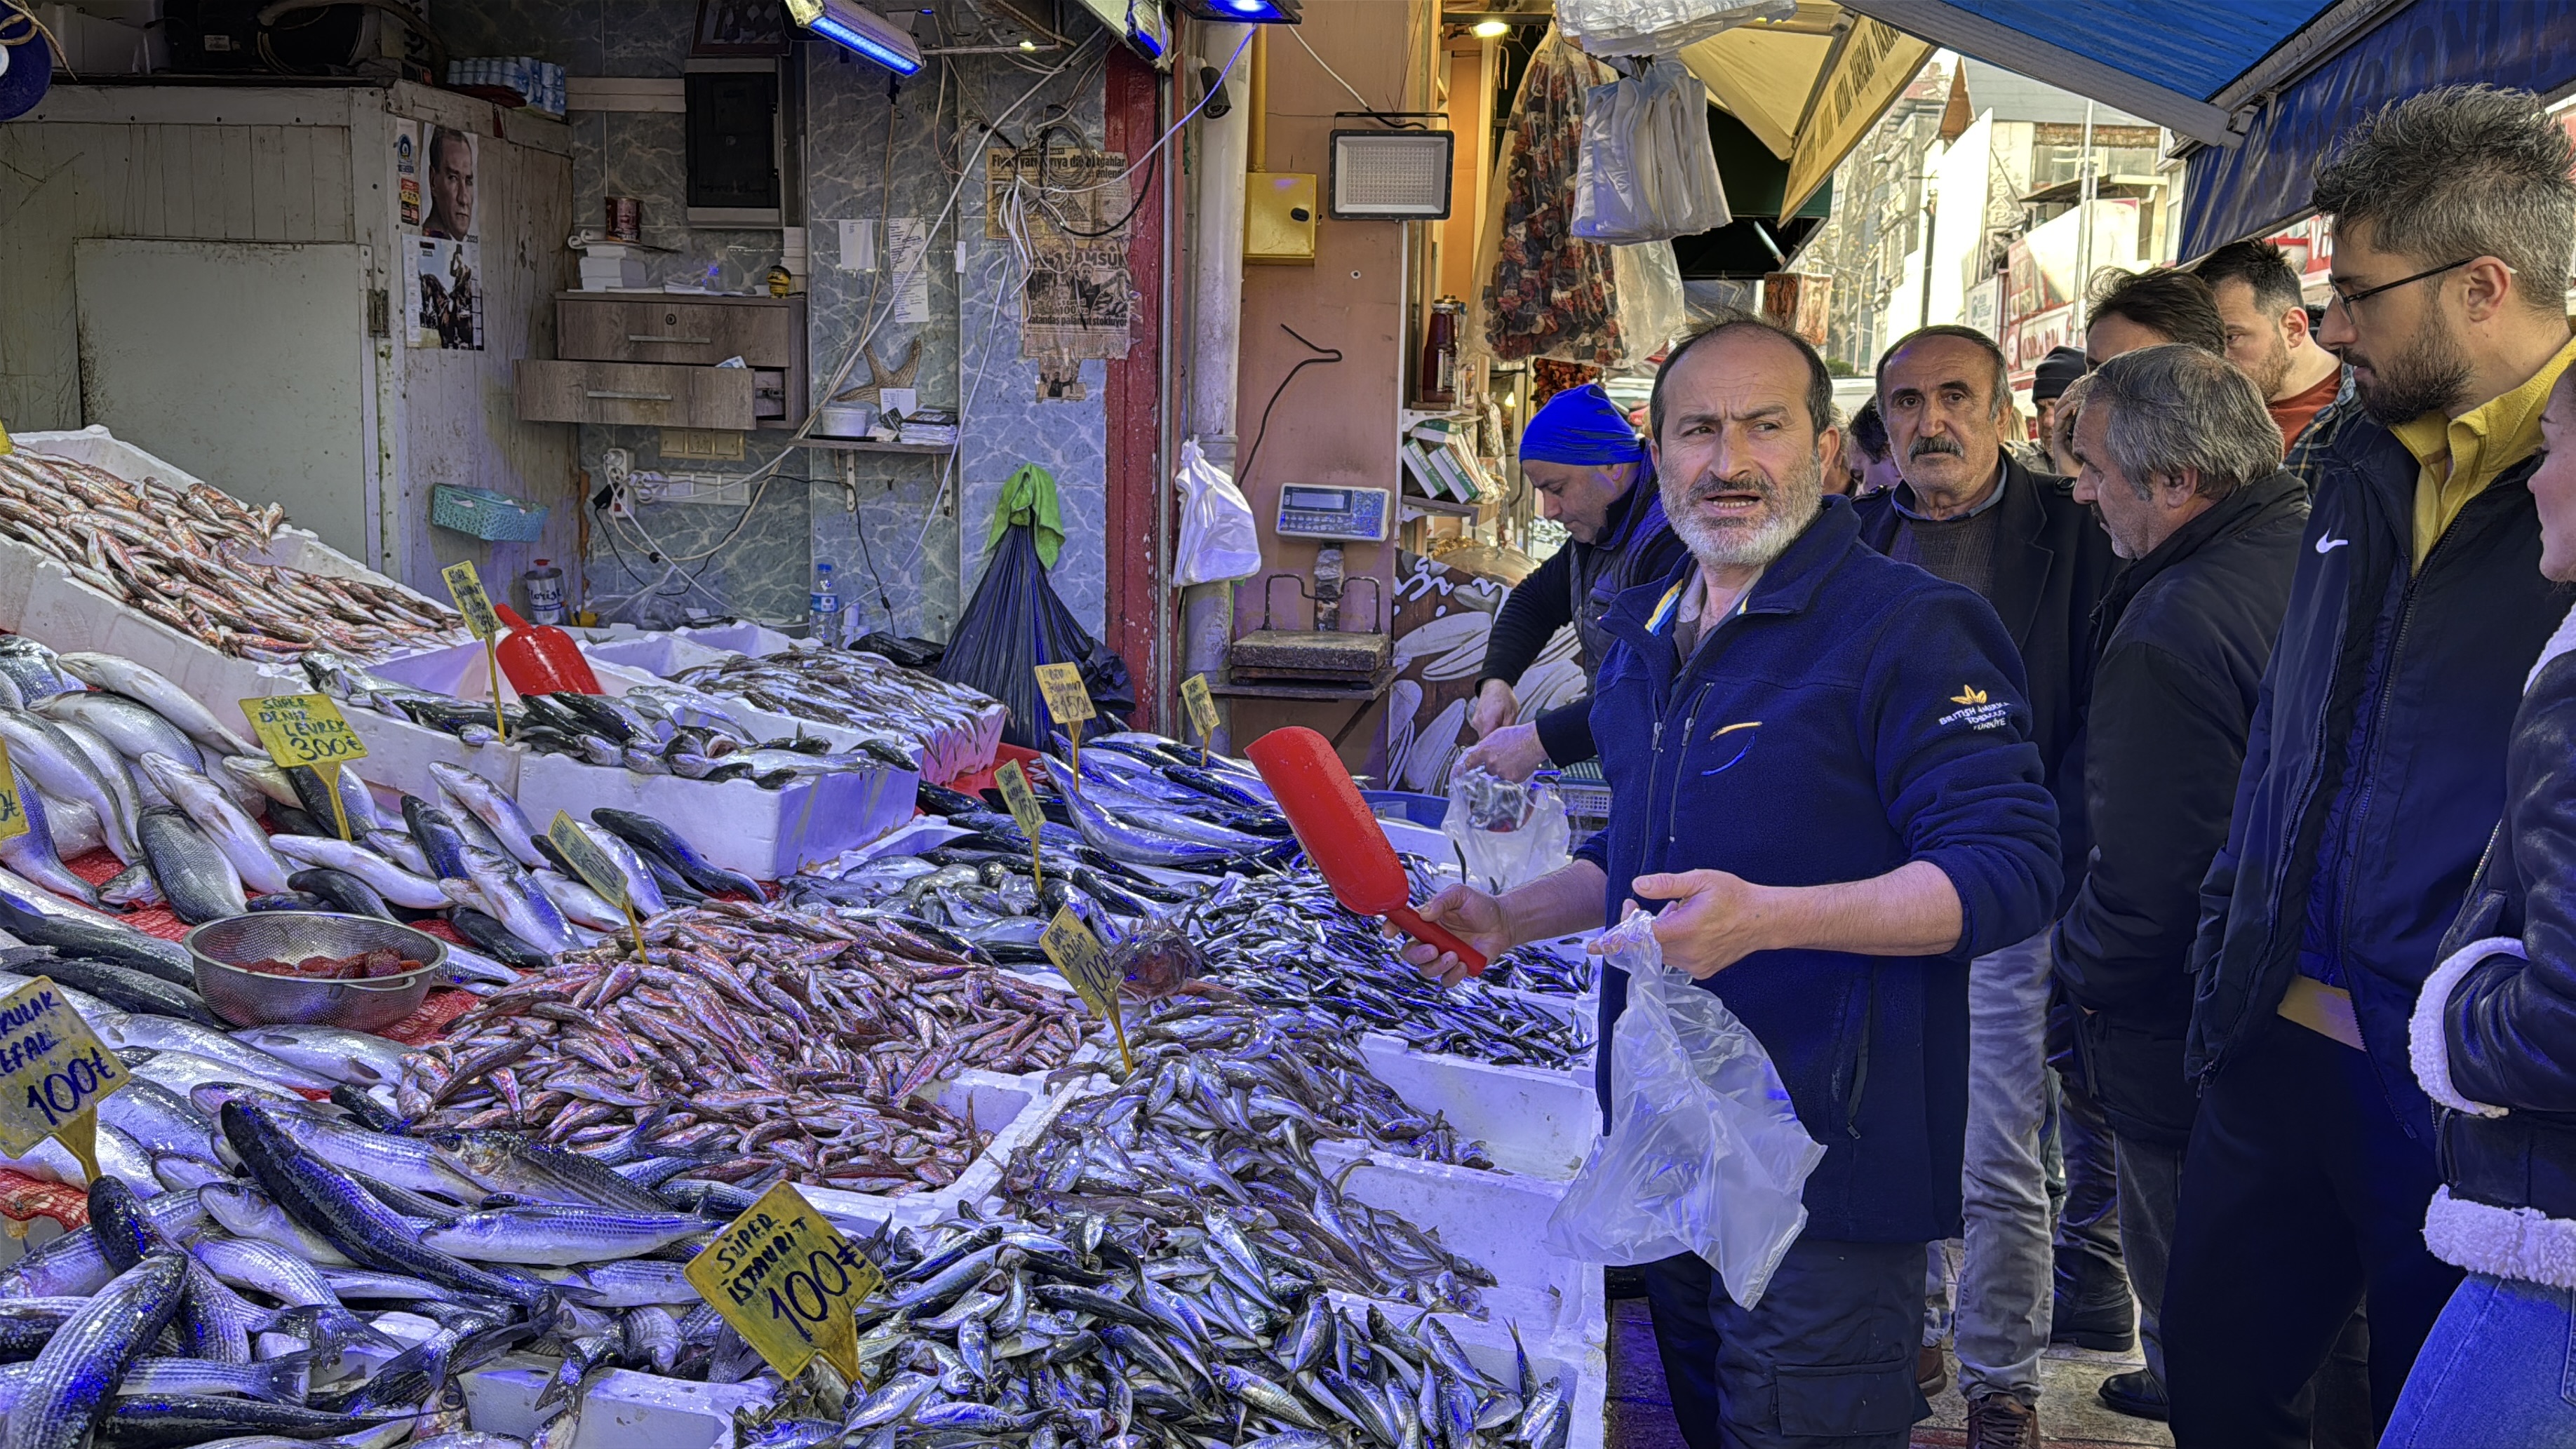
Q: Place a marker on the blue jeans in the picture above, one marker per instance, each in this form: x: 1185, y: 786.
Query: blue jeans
x: 2499, y: 1368
x: 2004, y: 1292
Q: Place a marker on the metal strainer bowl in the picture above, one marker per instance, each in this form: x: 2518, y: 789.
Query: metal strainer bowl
x: 255, y: 998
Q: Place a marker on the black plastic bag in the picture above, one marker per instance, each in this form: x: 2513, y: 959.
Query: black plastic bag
x: 1015, y: 623
x: 903, y: 649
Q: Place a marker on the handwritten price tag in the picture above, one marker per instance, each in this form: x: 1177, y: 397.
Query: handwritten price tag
x: 306, y: 731
x: 53, y: 1073
x: 789, y: 1283
x: 465, y: 586
x: 13, y: 811
x: 1201, y: 705
x: 1014, y: 785
x: 1066, y: 699
x: 595, y: 868
x: 1076, y: 952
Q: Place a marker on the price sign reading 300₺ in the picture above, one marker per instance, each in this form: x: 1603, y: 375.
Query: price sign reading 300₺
x: 53, y: 1073
x: 306, y: 730
x: 789, y: 1283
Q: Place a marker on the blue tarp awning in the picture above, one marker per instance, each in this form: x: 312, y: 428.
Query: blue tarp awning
x: 2263, y: 85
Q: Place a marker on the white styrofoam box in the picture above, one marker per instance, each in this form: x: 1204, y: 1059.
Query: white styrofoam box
x: 749, y: 639
x: 622, y: 1410
x: 399, y: 754
x: 1536, y: 1121
x: 1491, y: 1219
x: 1421, y: 840
x: 40, y: 599
x: 765, y: 834
x: 1014, y: 1108
x: 459, y: 671
x: 657, y: 653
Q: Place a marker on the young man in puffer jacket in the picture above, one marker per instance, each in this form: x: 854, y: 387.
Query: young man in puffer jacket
x: 2494, y: 1045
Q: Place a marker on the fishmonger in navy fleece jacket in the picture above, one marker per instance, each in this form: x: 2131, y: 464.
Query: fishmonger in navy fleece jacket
x: 1856, y: 715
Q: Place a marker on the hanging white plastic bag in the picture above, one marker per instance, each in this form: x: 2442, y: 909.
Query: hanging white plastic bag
x: 1704, y: 1155
x: 1653, y: 308
x: 1217, y: 537
x: 1508, y: 832
x: 1657, y: 27
x: 1647, y: 170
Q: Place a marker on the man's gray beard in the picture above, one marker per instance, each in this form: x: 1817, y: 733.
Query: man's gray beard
x: 1794, y: 504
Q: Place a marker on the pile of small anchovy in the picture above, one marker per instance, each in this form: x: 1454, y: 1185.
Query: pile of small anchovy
x: 842, y: 687
x: 1112, y: 1330
x: 186, y: 557
x: 1285, y: 943
x: 1223, y: 1107
x: 754, y: 1038
x: 1528, y: 968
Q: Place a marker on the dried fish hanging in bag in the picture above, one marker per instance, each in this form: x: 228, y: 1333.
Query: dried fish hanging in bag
x: 184, y: 558
x: 756, y: 1038
x: 1550, y: 294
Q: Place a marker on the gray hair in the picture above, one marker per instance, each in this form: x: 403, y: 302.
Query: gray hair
x: 2000, y: 395
x: 2461, y: 172
x: 1820, y: 379
x: 2176, y: 407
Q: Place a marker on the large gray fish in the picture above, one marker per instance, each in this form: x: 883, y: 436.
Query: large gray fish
x: 123, y: 676
x: 405, y: 1162
x: 1135, y: 844
x: 112, y: 764
x: 162, y: 1033
x: 75, y: 1378
x: 212, y: 808
x: 266, y: 1269
x: 642, y: 890
x: 134, y: 729
x: 61, y: 770
x: 42, y: 919
x: 578, y: 902
x: 389, y: 880
x: 359, y: 1058
x: 32, y: 853
x: 195, y: 876
x: 246, y: 1212
x: 503, y: 1162
x: 75, y: 1264
x: 559, y: 1236
x: 327, y: 1201
x: 500, y: 889
x: 32, y: 670
x: 259, y: 773
x: 160, y: 1121
x: 489, y: 804
x: 352, y: 799
x: 652, y: 836
x: 281, y: 1380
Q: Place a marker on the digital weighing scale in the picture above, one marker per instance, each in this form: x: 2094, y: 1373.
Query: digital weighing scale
x: 1356, y: 514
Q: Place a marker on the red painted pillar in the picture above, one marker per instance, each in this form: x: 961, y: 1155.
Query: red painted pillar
x: 1137, y: 622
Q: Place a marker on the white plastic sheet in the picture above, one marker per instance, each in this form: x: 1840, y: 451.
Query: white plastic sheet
x: 1218, y: 541
x: 1705, y: 1154
x: 1658, y: 27
x: 1648, y: 171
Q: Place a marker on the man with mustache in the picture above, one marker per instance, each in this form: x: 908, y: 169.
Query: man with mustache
x: 1969, y: 513
x: 1820, y: 759
x: 2375, y: 771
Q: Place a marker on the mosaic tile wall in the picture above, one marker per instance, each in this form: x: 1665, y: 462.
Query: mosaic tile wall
x: 904, y: 531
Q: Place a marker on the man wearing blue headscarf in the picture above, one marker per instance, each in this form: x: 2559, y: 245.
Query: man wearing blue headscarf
x: 1592, y: 476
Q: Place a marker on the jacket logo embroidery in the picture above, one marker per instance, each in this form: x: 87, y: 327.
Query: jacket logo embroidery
x: 1976, y: 711
x: 1743, y: 747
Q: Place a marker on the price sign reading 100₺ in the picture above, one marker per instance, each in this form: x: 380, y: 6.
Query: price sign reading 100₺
x: 53, y: 1073
x: 789, y: 1283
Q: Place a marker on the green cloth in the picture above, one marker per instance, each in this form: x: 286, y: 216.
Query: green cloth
x: 1030, y: 498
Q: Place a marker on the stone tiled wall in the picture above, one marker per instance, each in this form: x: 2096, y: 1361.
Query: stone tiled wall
x: 905, y: 529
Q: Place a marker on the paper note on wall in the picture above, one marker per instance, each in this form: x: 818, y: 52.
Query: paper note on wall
x: 858, y: 243
x: 907, y: 251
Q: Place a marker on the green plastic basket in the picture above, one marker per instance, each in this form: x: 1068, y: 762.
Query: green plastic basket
x: 493, y: 517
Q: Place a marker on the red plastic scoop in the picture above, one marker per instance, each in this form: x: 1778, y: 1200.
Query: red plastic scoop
x: 1345, y: 841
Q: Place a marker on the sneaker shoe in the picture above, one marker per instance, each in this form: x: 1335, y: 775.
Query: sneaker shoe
x: 1931, y: 1370
x: 2137, y: 1393
x: 2105, y: 1326
x: 2000, y: 1421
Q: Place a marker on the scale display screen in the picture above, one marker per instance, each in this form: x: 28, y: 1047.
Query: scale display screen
x: 1306, y: 511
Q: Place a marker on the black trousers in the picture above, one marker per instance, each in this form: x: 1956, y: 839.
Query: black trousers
x: 1826, y: 1358
x: 2302, y: 1192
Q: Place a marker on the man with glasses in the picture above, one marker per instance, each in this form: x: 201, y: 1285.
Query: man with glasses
x: 2375, y: 769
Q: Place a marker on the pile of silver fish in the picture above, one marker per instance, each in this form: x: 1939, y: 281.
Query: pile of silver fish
x: 758, y: 1039
x: 1284, y: 943
x: 188, y: 558
x: 662, y: 729
x: 847, y: 689
x: 1095, y: 1329
x: 1529, y: 968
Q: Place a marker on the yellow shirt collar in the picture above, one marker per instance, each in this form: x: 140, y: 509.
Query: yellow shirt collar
x: 2461, y: 456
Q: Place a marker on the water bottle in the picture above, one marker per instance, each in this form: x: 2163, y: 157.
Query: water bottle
x: 545, y: 586
x: 823, y: 608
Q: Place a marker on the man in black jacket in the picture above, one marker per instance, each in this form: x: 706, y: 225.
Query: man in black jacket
x: 1969, y: 513
x: 2375, y: 771
x: 2183, y: 465
x: 1592, y: 475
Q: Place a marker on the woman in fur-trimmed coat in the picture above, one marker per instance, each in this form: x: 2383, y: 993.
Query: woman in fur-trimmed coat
x: 2494, y: 1043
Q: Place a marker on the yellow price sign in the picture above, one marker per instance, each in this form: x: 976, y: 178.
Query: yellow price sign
x: 1066, y: 699
x: 465, y: 586
x: 54, y: 1071
x: 593, y: 865
x: 1069, y: 943
x: 789, y: 1283
x: 1202, y: 707
x: 307, y: 731
x: 1013, y: 782
x: 13, y: 811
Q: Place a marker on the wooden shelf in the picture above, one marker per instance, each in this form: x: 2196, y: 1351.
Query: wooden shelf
x: 1379, y: 681
x: 1416, y: 503
x: 873, y: 445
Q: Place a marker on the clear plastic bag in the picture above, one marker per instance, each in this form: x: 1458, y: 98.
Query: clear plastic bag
x: 1218, y: 537
x: 1704, y: 1154
x: 1648, y: 171
x: 1653, y: 309
x: 1508, y: 832
x: 1658, y: 27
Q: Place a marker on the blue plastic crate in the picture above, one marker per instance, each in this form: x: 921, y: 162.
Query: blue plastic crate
x: 484, y: 514
x: 1424, y: 810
